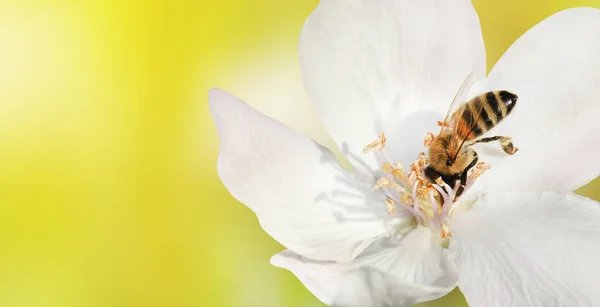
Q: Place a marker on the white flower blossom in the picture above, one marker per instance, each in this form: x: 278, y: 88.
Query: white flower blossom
x: 381, y: 74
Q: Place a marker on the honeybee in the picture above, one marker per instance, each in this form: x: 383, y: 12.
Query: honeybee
x: 450, y: 153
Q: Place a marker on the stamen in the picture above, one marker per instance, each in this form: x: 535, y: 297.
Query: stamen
x: 391, y: 206
x: 451, y: 211
x: 446, y: 196
x: 443, y: 124
x: 407, y: 199
x: 378, y: 144
x: 431, y: 204
x: 412, y: 177
x: 414, y: 196
x: 480, y: 169
x: 385, y: 155
x: 434, y: 204
x: 397, y: 171
x: 428, y: 139
x: 385, y: 182
x: 416, y: 203
x: 416, y: 172
x: 382, y: 182
x: 445, y: 232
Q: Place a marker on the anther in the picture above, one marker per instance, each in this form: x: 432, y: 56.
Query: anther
x: 406, y: 198
x: 391, y: 206
x: 445, y: 232
x: 378, y: 144
x: 428, y: 139
x: 397, y: 171
x: 443, y: 124
x: 480, y: 169
x: 385, y: 182
x: 417, y: 171
x: 382, y: 182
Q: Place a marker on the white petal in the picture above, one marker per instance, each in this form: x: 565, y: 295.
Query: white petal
x: 371, y: 65
x: 302, y: 197
x: 414, y: 271
x: 554, y: 68
x: 368, y: 287
x: 529, y: 249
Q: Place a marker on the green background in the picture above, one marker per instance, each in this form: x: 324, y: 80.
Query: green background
x: 108, y: 185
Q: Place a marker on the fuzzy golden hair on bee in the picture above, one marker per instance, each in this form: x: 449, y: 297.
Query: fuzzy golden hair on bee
x: 440, y: 154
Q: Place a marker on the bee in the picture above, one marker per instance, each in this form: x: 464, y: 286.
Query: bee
x: 450, y: 153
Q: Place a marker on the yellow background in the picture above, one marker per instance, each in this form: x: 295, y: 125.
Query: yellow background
x: 108, y: 189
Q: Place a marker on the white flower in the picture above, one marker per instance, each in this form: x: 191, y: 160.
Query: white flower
x: 521, y: 238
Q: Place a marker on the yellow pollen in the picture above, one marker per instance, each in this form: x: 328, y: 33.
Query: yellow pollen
x: 406, y: 198
x: 382, y: 182
x: 397, y: 171
x: 480, y: 169
x: 443, y: 124
x: 386, y: 167
x: 445, y: 232
x: 378, y: 144
x: 385, y: 182
x: 411, y: 177
x: 424, y: 191
x: 391, y: 206
x: 417, y: 170
x: 428, y: 139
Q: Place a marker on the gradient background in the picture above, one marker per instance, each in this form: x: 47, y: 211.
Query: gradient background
x: 108, y: 190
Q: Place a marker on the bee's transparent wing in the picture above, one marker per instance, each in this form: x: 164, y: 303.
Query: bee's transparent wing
x: 463, y: 126
x: 456, y: 101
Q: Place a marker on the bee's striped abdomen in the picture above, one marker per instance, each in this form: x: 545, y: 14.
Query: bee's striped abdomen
x: 484, y: 112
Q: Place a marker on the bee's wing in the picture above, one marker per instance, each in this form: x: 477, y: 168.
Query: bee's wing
x: 457, y: 100
x: 463, y: 126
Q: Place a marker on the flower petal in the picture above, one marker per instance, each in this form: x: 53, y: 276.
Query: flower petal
x: 529, y: 249
x: 368, y: 287
x: 301, y: 195
x: 369, y: 65
x: 554, y: 68
x: 414, y: 270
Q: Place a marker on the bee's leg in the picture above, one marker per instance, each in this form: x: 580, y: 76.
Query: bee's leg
x: 505, y: 142
x: 450, y: 180
x: 463, y: 176
x: 433, y: 175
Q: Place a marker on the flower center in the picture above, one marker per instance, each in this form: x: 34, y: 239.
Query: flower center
x: 430, y: 204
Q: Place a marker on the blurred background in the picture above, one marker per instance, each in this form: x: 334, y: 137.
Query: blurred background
x: 108, y: 189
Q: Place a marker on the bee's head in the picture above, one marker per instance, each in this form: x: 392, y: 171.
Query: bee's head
x: 450, y: 160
